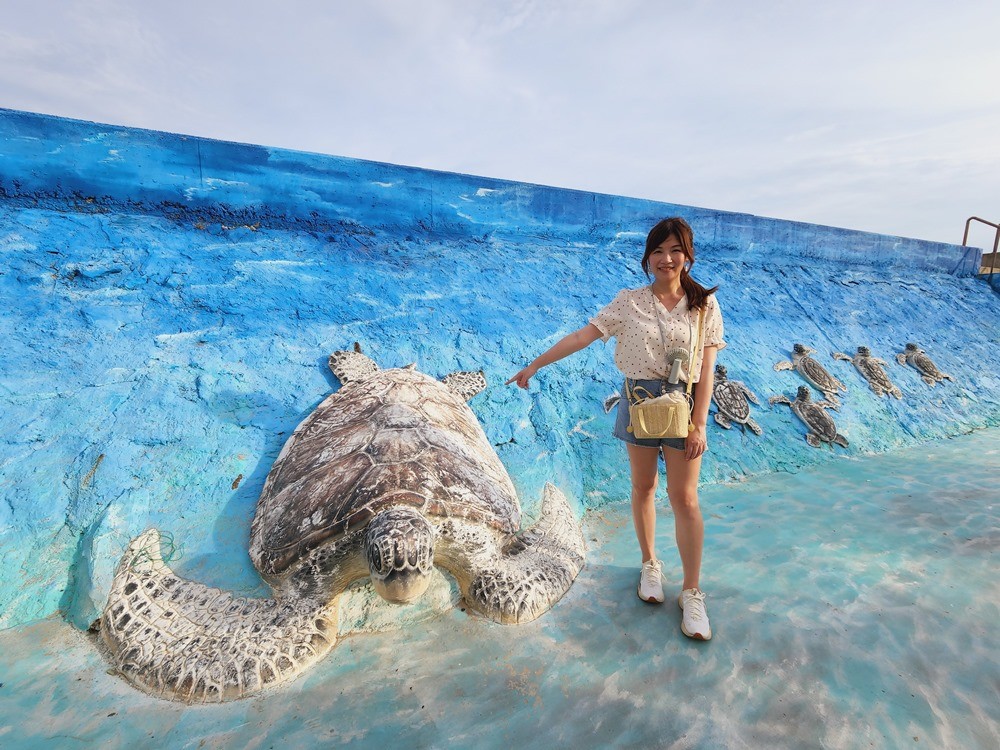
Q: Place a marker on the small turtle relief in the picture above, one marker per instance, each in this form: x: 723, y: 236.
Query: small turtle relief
x: 916, y: 357
x: 388, y: 477
x: 813, y: 413
x: 732, y: 399
x: 814, y: 373
x: 871, y: 370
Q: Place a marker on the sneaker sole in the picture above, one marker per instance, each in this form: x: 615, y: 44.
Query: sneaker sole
x: 695, y: 636
x: 651, y: 600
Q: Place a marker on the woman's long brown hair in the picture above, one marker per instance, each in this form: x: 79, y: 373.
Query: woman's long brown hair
x: 677, y: 227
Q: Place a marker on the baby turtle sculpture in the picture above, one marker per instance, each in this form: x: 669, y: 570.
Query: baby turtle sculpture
x: 821, y: 426
x: 915, y: 356
x: 733, y: 401
x: 871, y: 370
x: 390, y: 475
x: 814, y: 372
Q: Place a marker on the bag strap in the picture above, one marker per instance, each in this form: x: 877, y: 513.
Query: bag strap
x: 700, y: 334
x: 632, y: 393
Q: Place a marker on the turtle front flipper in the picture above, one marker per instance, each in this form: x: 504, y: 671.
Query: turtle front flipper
x: 520, y: 578
x: 348, y: 366
x: 465, y: 384
x: 185, y: 641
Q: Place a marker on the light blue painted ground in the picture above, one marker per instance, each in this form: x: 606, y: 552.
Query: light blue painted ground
x: 854, y: 604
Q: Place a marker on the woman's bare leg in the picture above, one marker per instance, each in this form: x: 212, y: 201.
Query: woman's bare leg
x: 643, y: 463
x: 682, y: 489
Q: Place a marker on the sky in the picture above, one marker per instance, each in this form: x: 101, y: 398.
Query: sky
x: 878, y: 115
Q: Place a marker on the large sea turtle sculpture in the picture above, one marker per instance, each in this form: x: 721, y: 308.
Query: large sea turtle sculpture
x: 917, y: 357
x: 389, y: 476
x: 871, y: 370
x: 733, y: 401
x: 821, y: 427
x: 813, y: 372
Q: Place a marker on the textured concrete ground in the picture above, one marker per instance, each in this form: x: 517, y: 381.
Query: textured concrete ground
x: 854, y: 605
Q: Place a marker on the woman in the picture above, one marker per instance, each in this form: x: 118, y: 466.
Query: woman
x: 653, y: 326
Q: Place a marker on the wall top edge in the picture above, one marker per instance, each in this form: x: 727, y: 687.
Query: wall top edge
x: 199, y: 173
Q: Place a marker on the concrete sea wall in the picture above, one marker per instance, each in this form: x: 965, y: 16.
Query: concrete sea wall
x: 169, y: 303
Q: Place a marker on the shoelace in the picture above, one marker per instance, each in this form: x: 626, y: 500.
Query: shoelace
x: 651, y: 573
x: 694, y: 605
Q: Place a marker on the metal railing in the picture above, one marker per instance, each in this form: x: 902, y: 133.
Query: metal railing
x: 996, y: 240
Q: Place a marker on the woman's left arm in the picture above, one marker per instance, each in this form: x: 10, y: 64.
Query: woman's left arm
x: 697, y: 439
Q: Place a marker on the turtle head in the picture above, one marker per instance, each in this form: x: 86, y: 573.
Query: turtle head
x: 399, y: 548
x: 911, y: 347
x: 864, y: 351
x: 803, y: 393
x: 720, y: 372
x: 801, y: 349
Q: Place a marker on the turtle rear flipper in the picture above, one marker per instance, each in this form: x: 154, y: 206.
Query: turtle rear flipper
x: 525, y: 579
x: 185, y: 641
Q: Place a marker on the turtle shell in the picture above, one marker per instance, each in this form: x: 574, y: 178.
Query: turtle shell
x: 874, y: 373
x: 396, y: 437
x: 926, y: 365
x: 816, y: 418
x: 816, y: 374
x: 731, y: 400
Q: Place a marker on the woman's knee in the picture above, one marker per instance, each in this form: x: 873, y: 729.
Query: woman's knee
x: 685, y: 503
x: 643, y: 490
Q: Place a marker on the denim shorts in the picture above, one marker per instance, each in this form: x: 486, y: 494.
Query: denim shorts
x: 656, y: 388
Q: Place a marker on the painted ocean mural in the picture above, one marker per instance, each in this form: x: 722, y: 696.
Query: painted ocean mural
x: 170, y: 303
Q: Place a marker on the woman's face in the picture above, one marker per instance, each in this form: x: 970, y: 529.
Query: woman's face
x: 667, y: 260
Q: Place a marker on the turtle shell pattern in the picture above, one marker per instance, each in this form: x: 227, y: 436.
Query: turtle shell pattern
x: 816, y: 418
x: 396, y: 437
x: 731, y: 400
x: 926, y: 365
x: 817, y: 374
x: 874, y: 373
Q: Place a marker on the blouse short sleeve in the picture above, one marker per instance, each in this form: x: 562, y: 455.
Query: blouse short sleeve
x: 714, y: 329
x: 610, y: 320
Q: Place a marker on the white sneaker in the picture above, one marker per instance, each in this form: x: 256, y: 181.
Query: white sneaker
x: 651, y: 582
x: 694, y: 623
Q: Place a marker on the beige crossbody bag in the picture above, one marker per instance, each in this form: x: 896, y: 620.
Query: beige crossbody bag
x: 669, y: 415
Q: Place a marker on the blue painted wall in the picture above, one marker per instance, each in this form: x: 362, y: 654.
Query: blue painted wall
x: 169, y: 303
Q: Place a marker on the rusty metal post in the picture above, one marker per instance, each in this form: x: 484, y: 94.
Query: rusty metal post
x: 996, y: 239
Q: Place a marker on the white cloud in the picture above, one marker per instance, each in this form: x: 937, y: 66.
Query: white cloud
x: 869, y: 115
